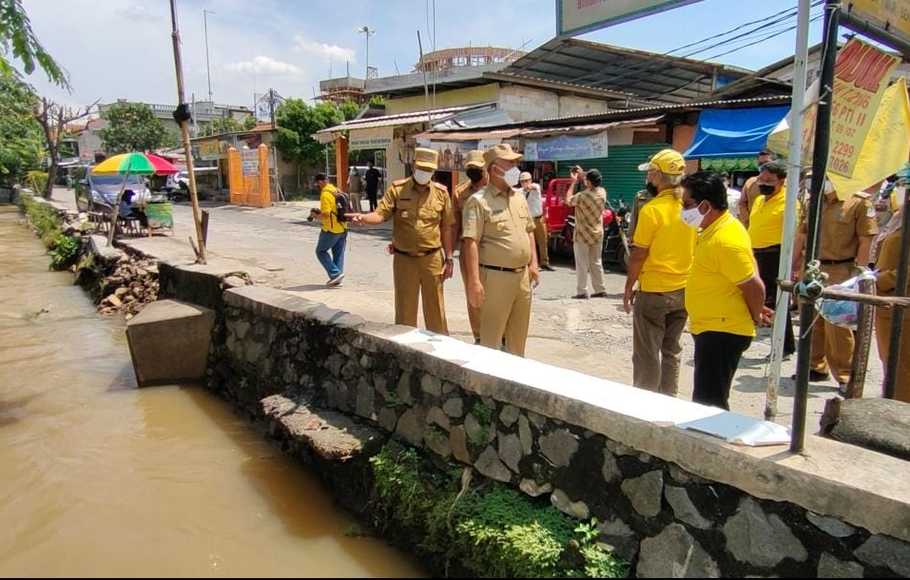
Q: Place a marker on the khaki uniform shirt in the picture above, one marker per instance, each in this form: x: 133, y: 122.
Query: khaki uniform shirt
x: 462, y: 193
x: 418, y: 217
x: 843, y: 223
x: 750, y: 191
x: 500, y: 223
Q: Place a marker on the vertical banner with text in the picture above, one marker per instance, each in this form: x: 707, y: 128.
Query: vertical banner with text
x: 861, y: 75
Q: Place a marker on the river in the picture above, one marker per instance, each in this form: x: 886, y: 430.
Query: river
x: 100, y: 478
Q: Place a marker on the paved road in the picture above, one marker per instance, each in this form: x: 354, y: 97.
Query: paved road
x: 593, y: 336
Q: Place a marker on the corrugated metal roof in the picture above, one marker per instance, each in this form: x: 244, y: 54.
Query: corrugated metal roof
x: 531, y: 133
x: 401, y: 119
x: 645, y: 75
x: 413, y: 82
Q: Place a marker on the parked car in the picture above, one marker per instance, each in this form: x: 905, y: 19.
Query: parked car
x: 102, y: 190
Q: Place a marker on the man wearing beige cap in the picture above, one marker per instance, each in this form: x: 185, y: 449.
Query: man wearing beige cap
x: 422, y: 220
x: 475, y: 168
x: 498, y: 242
x: 534, y: 198
x: 663, y: 252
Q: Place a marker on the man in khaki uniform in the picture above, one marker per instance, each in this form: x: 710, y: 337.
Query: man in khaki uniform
x: 846, y: 233
x: 422, y: 220
x: 475, y: 168
x: 498, y: 241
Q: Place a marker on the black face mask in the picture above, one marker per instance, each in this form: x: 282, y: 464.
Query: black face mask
x: 766, y: 189
x: 652, y: 189
x: 474, y: 174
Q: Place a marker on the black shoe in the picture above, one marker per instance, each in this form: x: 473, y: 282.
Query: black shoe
x: 599, y: 295
x: 842, y: 389
x: 580, y: 297
x: 548, y: 268
x: 816, y: 377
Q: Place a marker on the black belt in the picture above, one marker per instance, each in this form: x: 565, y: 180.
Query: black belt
x: 837, y: 262
x: 501, y: 269
x: 767, y: 250
x: 416, y: 254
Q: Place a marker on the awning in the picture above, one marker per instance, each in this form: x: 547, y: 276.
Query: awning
x: 734, y: 132
x: 414, y: 118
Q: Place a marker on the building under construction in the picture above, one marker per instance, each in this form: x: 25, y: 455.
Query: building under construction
x: 449, y: 58
x: 343, y: 89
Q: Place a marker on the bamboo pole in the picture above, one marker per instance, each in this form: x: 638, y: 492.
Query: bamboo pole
x: 898, y: 302
x: 199, y: 248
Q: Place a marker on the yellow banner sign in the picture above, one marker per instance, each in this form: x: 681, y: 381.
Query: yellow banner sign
x: 890, y: 15
x: 861, y: 75
x: 575, y: 17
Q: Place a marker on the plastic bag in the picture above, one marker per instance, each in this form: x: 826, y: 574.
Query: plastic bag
x: 844, y: 313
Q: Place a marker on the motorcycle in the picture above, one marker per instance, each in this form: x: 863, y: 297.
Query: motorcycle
x: 616, y: 236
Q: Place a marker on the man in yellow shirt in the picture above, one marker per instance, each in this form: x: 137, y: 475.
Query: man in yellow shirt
x: 334, y: 235
x: 724, y: 294
x: 659, y: 264
x: 766, y: 230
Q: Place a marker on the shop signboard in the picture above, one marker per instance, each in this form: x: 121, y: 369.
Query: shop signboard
x: 211, y: 150
x: 566, y: 147
x: 374, y: 138
x: 574, y: 17
x: 890, y: 15
x: 250, y: 162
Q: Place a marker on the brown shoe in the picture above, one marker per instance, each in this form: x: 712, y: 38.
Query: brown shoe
x: 548, y: 268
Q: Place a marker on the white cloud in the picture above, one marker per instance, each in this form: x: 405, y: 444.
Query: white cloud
x: 264, y: 65
x: 329, y: 51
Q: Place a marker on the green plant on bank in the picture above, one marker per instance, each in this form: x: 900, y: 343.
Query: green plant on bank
x: 493, y: 531
x: 484, y: 415
x: 36, y: 181
x: 63, y: 249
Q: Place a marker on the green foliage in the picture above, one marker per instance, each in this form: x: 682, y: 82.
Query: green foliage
x: 494, y: 532
x: 224, y: 125
x: 17, y: 36
x: 22, y: 145
x: 377, y: 101
x: 132, y: 127
x: 484, y: 415
x: 349, y: 110
x: 36, y: 180
x: 63, y: 249
x: 249, y: 123
x: 297, y: 123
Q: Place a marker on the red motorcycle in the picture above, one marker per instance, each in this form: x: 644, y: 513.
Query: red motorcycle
x: 560, y: 220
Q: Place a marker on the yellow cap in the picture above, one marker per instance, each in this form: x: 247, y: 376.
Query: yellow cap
x: 668, y: 161
x: 475, y: 159
x: 426, y: 159
x: 502, y: 151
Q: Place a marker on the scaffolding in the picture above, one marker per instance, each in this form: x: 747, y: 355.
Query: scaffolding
x: 449, y: 58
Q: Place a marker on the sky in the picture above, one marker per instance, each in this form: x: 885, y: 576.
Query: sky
x: 123, y: 50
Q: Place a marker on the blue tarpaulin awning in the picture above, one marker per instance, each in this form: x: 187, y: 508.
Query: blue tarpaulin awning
x: 734, y: 132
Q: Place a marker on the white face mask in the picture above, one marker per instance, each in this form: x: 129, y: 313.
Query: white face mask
x: 692, y: 217
x: 511, y: 176
x: 423, y: 177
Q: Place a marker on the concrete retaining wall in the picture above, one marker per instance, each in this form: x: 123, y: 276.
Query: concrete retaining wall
x: 673, y: 502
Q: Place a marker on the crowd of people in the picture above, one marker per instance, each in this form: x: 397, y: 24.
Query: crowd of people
x: 696, y: 260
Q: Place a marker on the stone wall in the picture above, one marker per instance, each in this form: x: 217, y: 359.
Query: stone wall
x: 672, y: 502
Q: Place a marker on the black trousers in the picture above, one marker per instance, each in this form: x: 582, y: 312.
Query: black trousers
x: 768, y: 260
x: 371, y: 195
x: 717, y: 356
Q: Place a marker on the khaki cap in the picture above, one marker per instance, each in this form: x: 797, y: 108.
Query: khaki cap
x: 525, y: 176
x: 475, y: 159
x: 426, y: 159
x: 502, y: 151
x: 668, y: 161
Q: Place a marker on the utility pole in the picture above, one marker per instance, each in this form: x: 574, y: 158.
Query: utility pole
x: 367, y: 32
x: 208, y: 67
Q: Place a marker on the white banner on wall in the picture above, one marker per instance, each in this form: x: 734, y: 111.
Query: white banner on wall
x: 375, y: 138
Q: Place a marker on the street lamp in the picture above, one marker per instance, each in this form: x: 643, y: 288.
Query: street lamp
x: 367, y: 32
x: 208, y: 68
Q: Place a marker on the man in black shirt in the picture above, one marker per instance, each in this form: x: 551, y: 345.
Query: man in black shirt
x: 373, y: 177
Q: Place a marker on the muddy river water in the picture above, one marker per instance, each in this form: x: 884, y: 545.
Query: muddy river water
x: 100, y: 478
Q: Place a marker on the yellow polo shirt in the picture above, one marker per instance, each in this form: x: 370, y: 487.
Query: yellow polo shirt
x: 723, y: 261
x: 766, y: 221
x: 329, y: 211
x: 669, y: 241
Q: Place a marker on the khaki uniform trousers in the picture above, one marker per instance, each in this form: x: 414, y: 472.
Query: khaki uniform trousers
x: 832, y: 346
x: 355, y: 197
x: 473, y: 313
x: 659, y: 319
x: 589, y: 259
x: 423, y: 276
x: 883, y: 320
x: 506, y: 311
x: 540, y: 237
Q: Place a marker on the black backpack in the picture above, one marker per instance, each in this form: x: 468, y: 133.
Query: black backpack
x: 342, y: 206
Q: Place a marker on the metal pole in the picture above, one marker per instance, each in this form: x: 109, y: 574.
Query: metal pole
x: 208, y: 68
x: 819, y: 168
x: 782, y: 308
x: 897, y: 322
x: 185, y: 130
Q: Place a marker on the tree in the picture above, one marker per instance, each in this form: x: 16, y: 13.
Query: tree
x: 132, y: 127
x: 297, y: 123
x: 22, y: 147
x: 249, y: 123
x: 220, y: 126
x: 17, y: 36
x: 53, y: 119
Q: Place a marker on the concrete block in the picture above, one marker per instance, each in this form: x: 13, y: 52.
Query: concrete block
x: 169, y: 342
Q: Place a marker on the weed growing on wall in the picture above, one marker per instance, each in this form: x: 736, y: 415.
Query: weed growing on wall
x: 63, y: 249
x: 491, y: 530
